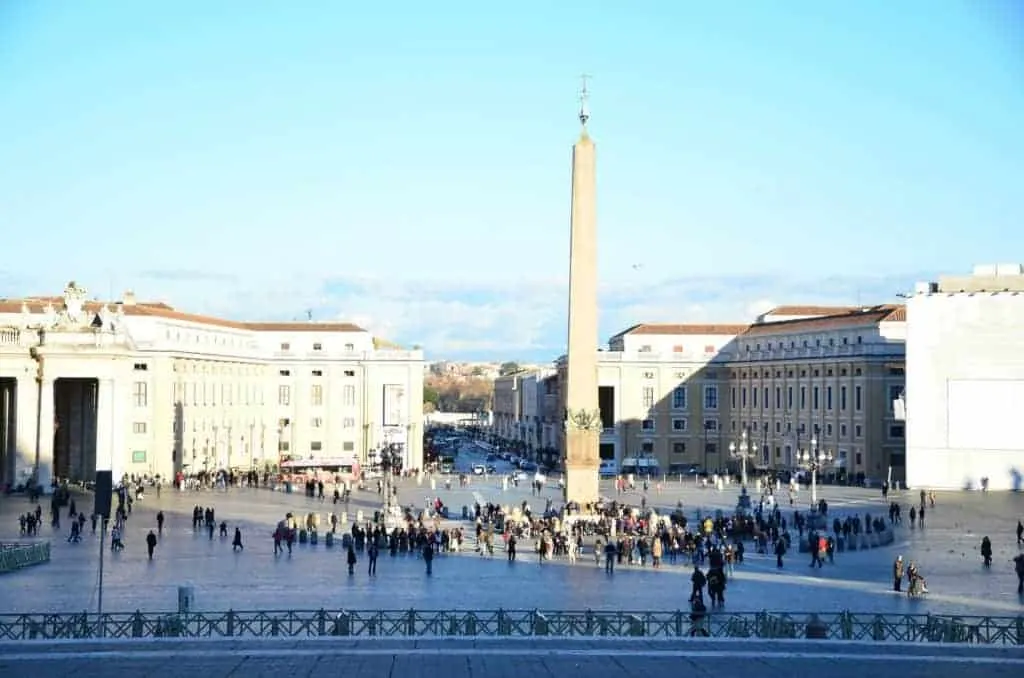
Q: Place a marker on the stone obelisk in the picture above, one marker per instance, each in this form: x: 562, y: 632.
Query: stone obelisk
x: 582, y: 417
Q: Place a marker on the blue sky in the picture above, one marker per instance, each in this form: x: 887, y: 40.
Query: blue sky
x: 406, y: 165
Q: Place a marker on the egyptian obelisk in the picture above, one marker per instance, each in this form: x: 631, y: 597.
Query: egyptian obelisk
x: 582, y: 417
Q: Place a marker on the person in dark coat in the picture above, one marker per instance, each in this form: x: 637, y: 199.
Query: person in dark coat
x: 151, y: 543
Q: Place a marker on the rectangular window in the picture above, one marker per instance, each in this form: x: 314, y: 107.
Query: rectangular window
x: 732, y: 397
x: 647, y: 397
x: 711, y: 425
x: 858, y: 432
x: 315, y: 446
x: 349, y: 373
x: 391, y: 407
x: 753, y: 393
x: 778, y: 397
x: 842, y: 398
x: 897, y: 431
x: 284, y: 395
x: 348, y: 395
x: 828, y: 397
x: 842, y: 430
x: 140, y: 394
x: 764, y: 400
x: 895, y: 391
x: 816, y: 403
x: 710, y: 397
x: 286, y: 347
x: 743, y: 397
x: 316, y: 395
x: 141, y: 367
x: 803, y: 397
x: 828, y: 430
x: 348, y: 422
x: 316, y: 422
x: 282, y: 445
x: 139, y: 427
x: 647, y: 425
x: 678, y: 448
x: 647, y: 447
x: 348, y: 446
x: 789, y: 397
x: 318, y: 347
x: 679, y: 425
x: 285, y: 373
x: 679, y: 398
x: 857, y: 393
x: 318, y: 373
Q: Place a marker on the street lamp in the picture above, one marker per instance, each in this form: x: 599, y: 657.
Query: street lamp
x: 741, y: 451
x: 812, y: 460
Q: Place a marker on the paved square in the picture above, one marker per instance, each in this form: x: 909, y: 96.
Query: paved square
x: 314, y: 576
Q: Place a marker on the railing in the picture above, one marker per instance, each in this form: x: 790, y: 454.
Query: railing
x: 517, y: 623
x: 19, y: 555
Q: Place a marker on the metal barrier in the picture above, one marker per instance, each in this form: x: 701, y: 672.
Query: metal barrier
x: 517, y: 623
x: 14, y: 556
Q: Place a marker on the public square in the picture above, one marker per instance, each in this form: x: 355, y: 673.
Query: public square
x: 314, y: 577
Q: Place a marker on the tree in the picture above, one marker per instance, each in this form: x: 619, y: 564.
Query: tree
x: 431, y: 396
x: 511, y: 367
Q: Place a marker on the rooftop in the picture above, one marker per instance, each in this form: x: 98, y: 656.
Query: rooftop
x: 671, y: 329
x: 858, y: 317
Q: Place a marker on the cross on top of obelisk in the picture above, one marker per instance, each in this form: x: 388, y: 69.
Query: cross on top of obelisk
x: 584, y: 100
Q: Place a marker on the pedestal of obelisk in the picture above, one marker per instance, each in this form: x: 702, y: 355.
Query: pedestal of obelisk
x: 582, y: 418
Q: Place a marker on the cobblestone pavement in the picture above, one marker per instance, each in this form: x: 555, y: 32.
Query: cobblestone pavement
x: 460, y: 658
x: 314, y: 577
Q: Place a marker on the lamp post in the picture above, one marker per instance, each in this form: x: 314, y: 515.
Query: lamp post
x: 741, y: 451
x: 812, y: 460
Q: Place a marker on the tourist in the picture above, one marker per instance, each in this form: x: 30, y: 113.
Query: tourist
x: 151, y: 543
x: 236, y: 543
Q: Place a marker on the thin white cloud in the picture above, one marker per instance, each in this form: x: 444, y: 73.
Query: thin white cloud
x: 522, y: 320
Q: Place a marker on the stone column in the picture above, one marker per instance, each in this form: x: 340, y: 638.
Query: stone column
x: 26, y: 395
x: 44, y: 434
x: 110, y: 450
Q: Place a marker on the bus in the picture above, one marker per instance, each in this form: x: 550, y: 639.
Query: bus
x: 328, y: 469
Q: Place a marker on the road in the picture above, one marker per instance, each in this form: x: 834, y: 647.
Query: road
x: 458, y: 658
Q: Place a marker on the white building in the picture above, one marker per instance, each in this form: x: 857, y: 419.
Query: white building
x: 965, y: 380
x: 140, y: 388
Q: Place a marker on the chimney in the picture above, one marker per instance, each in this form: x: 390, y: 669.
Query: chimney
x: 128, y: 298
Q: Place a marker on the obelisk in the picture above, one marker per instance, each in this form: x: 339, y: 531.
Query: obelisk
x: 582, y: 417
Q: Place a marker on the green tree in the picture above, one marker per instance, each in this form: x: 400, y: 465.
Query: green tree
x: 431, y: 397
x: 511, y: 367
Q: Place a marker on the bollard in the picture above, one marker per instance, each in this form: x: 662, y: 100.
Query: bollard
x: 410, y: 623
x: 230, y: 623
x: 342, y: 625
x: 137, y: 624
x: 470, y: 624
x: 504, y: 626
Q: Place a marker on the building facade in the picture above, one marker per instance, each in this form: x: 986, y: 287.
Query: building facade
x: 965, y: 380
x: 141, y: 388
x: 676, y: 396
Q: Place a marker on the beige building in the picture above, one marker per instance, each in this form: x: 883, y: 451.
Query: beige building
x: 141, y: 388
x: 676, y: 395
x: 825, y: 373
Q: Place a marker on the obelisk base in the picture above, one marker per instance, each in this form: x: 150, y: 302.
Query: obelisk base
x: 582, y: 464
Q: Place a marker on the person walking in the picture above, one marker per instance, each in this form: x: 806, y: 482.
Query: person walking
x: 897, y: 574
x: 428, y: 558
x: 351, y: 560
x: 371, y: 554
x: 236, y: 543
x: 160, y: 522
x: 151, y: 543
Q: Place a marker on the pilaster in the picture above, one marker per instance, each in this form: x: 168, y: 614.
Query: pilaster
x: 110, y: 431
x: 44, y: 436
x: 26, y: 395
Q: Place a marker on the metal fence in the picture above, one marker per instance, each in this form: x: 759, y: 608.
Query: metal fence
x: 517, y: 623
x: 14, y: 556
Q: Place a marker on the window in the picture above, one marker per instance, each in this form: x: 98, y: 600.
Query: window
x: 711, y: 425
x: 857, y: 393
x: 318, y: 347
x: 743, y: 396
x: 315, y: 446
x: 348, y: 446
x: 842, y: 430
x: 753, y: 393
x: 139, y: 427
x: 285, y: 373
x: 678, y: 448
x: 350, y: 373
x: 778, y: 427
x: 647, y: 447
x: 286, y: 347
x: 896, y: 371
x: 316, y: 395
x: 858, y: 432
x: 348, y: 395
x: 316, y: 422
x: 678, y: 348
x: 318, y: 373
x: 897, y: 431
x: 140, y: 394
x: 348, y: 422
x: 679, y: 425
x: 647, y: 425
x: 857, y: 458
x: 679, y: 398
x: 815, y: 398
x: 283, y: 445
x: 895, y: 392
x: 647, y: 396
x: 710, y: 397
x: 350, y: 347
x: 141, y: 367
x: 732, y: 397
x: 646, y: 348
x: 803, y: 397
x: 284, y: 395
x: 828, y: 430
x: 778, y: 397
